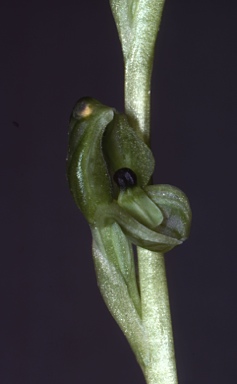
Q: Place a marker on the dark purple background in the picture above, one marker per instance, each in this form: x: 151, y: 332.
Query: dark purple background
x: 54, y: 326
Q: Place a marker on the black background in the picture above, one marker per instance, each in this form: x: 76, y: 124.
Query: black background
x: 54, y: 326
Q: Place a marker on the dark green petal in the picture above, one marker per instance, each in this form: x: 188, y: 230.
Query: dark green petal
x: 87, y: 171
x: 124, y: 149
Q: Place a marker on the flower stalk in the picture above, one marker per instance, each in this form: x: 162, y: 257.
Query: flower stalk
x: 138, y: 23
x: 138, y: 50
x: 156, y: 318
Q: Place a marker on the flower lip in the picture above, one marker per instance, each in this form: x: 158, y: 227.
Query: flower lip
x: 125, y: 178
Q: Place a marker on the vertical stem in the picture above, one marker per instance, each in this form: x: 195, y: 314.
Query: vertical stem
x: 137, y: 95
x: 138, y: 23
x: 138, y: 62
x: 156, y: 318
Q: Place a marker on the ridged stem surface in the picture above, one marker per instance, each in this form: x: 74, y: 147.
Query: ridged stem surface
x: 138, y: 23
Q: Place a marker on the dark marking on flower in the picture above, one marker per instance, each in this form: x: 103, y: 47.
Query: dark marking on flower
x: 125, y: 178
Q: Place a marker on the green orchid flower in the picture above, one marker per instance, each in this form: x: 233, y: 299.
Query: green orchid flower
x: 109, y: 168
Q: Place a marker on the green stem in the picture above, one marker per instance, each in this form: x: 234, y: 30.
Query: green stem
x: 137, y: 95
x: 138, y: 23
x: 156, y: 318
